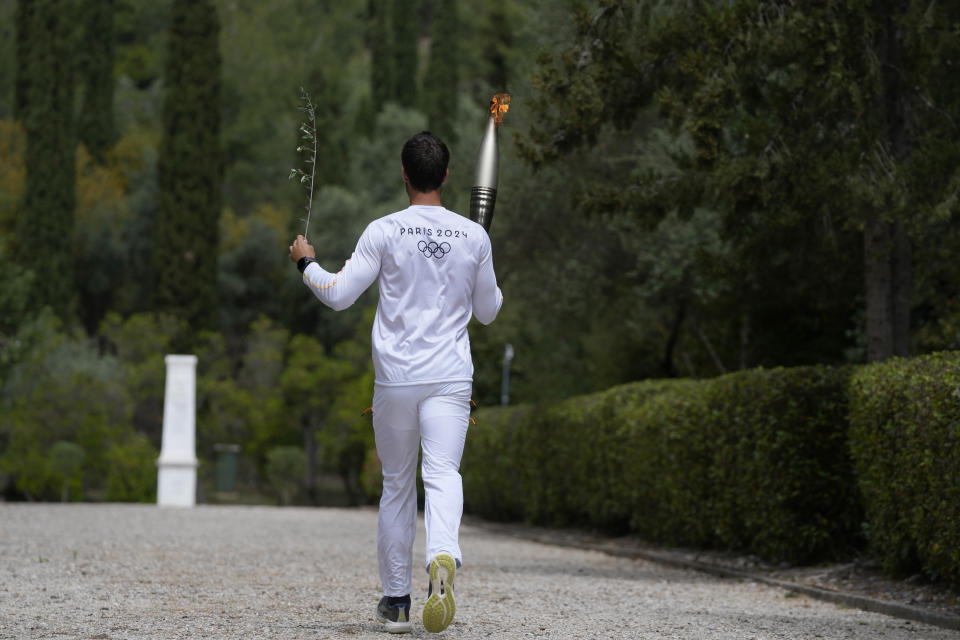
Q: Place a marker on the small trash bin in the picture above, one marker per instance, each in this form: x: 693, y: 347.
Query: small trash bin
x: 227, y: 460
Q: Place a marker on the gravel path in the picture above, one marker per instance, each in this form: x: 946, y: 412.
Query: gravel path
x: 138, y: 571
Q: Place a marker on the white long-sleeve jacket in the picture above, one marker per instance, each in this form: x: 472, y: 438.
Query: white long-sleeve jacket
x: 434, y: 269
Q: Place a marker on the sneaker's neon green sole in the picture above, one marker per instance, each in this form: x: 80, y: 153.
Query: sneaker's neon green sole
x: 440, y: 607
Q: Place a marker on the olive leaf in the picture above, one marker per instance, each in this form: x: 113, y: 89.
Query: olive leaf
x: 308, y: 137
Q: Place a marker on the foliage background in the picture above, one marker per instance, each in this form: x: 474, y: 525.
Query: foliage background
x: 669, y: 206
x: 276, y: 370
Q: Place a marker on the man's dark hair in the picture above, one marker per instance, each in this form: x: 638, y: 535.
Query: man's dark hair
x: 425, y: 160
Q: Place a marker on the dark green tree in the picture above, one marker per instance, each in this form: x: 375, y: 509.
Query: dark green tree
x: 382, y: 65
x: 23, y: 17
x: 190, y: 168
x: 441, y: 82
x: 809, y: 124
x: 44, y: 104
x: 405, y: 15
x: 95, y: 127
x: 8, y: 55
x: 326, y: 91
x: 498, y: 42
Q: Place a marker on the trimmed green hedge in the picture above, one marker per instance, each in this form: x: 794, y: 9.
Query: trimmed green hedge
x: 498, y: 481
x: 782, y: 476
x: 580, y: 453
x: 790, y: 464
x: 755, y: 461
x: 905, y: 439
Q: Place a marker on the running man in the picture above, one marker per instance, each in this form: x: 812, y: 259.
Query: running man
x: 434, y: 268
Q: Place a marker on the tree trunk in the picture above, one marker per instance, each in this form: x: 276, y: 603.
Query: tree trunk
x: 902, y: 283
x: 744, y: 340
x: 887, y: 253
x: 705, y: 339
x: 666, y: 364
x: 878, y: 279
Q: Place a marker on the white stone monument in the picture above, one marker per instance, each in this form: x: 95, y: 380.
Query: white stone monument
x: 177, y: 475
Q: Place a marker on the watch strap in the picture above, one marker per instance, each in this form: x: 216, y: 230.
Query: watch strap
x: 303, y: 262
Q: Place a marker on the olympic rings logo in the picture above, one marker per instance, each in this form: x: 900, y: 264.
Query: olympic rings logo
x: 432, y: 249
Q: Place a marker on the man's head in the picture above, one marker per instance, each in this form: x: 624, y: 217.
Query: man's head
x: 425, y: 160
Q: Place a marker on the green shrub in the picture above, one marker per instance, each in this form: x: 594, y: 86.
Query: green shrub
x: 755, y: 461
x: 371, y: 475
x: 599, y: 462
x: 286, y: 467
x: 669, y: 446
x: 784, y: 481
x: 132, y: 472
x: 65, y: 460
x: 496, y: 479
x: 905, y: 439
x: 62, y: 391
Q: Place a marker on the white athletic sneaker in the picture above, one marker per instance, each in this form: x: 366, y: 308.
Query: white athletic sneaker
x: 395, y: 615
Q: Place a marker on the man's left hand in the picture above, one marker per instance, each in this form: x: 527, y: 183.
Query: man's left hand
x: 301, y: 248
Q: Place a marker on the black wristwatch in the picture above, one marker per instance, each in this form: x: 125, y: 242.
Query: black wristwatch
x: 304, y: 261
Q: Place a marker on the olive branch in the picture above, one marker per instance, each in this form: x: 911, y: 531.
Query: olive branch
x: 308, y: 142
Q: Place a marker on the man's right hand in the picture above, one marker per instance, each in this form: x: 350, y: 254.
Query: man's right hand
x: 301, y: 248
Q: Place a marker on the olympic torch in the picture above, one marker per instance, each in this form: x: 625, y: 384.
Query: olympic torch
x: 483, y: 195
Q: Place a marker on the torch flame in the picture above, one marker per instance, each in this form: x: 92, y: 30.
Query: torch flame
x: 499, y: 105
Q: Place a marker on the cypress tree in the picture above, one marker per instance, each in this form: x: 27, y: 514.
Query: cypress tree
x: 440, y: 84
x: 406, y: 33
x: 189, y: 168
x: 325, y: 92
x: 44, y: 104
x: 95, y: 126
x: 381, y: 60
x: 22, y: 17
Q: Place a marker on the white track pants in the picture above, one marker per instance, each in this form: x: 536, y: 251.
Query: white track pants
x: 434, y: 416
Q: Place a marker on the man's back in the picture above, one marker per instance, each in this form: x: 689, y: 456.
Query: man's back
x: 434, y: 269
x: 431, y: 259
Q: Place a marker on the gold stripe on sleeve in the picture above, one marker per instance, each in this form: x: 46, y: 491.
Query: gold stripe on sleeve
x: 324, y: 287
